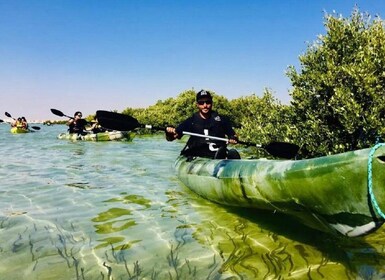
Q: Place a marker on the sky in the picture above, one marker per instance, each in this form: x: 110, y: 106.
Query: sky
x: 109, y: 55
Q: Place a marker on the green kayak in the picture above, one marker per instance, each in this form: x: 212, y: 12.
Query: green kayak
x: 343, y: 193
x: 102, y: 136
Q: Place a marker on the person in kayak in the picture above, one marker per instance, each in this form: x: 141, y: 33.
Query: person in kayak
x: 17, y: 123
x: 24, y: 122
x: 206, y: 122
x: 96, y: 127
x: 21, y: 122
x: 77, y: 124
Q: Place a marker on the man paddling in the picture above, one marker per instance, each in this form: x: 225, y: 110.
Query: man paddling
x: 77, y: 124
x: 206, y: 122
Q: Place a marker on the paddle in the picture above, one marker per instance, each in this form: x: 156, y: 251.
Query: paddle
x: 9, y: 116
x: 61, y: 114
x: 117, y: 121
x: 1, y: 120
x: 121, y: 122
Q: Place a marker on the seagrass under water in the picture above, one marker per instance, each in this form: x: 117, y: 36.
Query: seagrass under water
x: 115, y: 210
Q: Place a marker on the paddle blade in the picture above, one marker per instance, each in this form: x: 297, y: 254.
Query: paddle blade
x: 116, y: 121
x: 1, y: 120
x: 282, y: 149
x: 36, y: 127
x: 57, y: 112
x: 8, y: 115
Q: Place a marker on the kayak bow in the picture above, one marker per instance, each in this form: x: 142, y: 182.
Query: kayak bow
x: 341, y: 193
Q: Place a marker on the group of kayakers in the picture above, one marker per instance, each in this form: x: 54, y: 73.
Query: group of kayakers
x: 205, y: 122
x: 209, y: 127
x: 207, y: 130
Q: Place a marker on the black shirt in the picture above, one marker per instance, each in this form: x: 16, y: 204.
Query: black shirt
x: 216, y: 125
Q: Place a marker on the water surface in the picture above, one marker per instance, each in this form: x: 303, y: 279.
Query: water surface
x: 116, y: 210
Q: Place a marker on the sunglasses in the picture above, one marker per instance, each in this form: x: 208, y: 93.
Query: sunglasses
x: 79, y: 115
x: 201, y: 102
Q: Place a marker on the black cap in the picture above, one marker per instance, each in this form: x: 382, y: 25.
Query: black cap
x: 204, y: 94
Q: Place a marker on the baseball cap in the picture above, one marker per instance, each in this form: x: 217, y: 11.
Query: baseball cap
x: 203, y: 94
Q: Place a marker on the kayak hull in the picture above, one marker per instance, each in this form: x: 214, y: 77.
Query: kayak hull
x: 335, y: 194
x: 102, y: 136
x: 17, y: 130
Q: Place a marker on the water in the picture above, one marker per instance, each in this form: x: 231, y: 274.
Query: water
x: 116, y: 210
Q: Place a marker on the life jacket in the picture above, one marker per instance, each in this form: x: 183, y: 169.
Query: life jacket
x: 213, y: 126
x: 77, y: 127
x: 19, y: 124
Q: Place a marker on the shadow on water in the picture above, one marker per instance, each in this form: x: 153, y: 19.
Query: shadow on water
x: 135, y: 248
x: 245, y: 243
x: 282, y: 247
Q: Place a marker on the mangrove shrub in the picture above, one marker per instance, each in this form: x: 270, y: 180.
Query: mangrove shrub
x: 339, y: 92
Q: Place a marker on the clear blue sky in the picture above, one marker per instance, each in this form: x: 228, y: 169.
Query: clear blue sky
x: 91, y: 54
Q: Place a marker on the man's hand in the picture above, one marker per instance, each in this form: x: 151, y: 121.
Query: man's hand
x: 171, y: 134
x: 233, y: 139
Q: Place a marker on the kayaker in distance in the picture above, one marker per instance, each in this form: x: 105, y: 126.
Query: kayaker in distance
x: 24, y: 122
x: 77, y: 124
x: 205, y: 122
x: 21, y: 122
x: 16, y: 123
x: 96, y: 127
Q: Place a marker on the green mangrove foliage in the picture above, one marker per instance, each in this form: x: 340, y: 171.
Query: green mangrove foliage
x: 263, y: 119
x: 339, y: 92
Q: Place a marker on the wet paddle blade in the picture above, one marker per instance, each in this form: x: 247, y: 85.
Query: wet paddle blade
x: 57, y: 112
x: 116, y: 121
x: 282, y: 149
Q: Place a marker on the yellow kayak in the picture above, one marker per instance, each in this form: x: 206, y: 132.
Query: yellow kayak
x: 19, y: 130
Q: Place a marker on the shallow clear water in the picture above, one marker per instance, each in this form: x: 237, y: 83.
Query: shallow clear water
x: 116, y: 210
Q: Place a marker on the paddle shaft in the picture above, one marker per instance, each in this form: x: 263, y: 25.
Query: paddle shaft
x: 124, y: 122
x: 205, y: 136
x: 219, y: 138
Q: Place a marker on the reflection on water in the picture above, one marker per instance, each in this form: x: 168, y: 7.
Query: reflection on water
x: 92, y: 210
x: 134, y: 199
